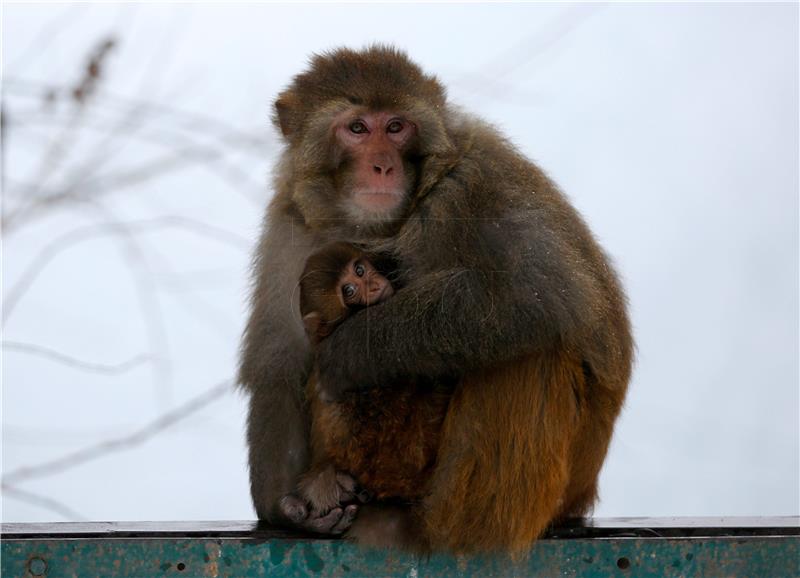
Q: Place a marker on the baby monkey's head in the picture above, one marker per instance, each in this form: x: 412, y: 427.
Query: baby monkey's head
x: 337, y: 280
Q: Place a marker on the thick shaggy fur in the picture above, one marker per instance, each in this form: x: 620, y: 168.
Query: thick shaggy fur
x: 387, y: 439
x: 503, y: 287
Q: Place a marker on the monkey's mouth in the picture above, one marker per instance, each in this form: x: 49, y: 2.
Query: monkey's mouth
x: 380, y: 200
x: 385, y: 292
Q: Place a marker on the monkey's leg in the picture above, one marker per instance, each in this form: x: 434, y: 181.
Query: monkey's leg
x: 277, y: 439
x: 503, y: 463
x: 277, y: 435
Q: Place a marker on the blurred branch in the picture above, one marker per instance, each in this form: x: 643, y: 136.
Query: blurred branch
x: 238, y: 179
x: 58, y: 357
x: 107, y: 447
x: 37, y: 199
x: 190, y: 121
x: 80, y: 93
x: 49, y: 32
x: 488, y: 79
x: 43, y: 502
x: 79, y: 191
x: 64, y: 242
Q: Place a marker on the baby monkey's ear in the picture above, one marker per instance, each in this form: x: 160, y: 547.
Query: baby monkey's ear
x: 316, y: 328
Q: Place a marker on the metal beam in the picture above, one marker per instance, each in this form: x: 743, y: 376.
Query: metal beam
x: 641, y: 547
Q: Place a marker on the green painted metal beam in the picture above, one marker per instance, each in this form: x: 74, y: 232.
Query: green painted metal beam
x: 658, y: 548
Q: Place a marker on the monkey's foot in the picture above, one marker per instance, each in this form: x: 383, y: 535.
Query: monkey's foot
x: 298, y: 514
x: 325, y: 489
x: 326, y: 502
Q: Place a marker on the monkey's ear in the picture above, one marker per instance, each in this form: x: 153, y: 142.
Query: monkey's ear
x: 315, y: 327
x: 286, y: 108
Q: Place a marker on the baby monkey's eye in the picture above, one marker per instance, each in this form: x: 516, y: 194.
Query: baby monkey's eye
x: 359, y: 269
x: 348, y: 290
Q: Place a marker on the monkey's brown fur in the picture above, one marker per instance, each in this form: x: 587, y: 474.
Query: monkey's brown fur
x: 537, y: 480
x: 386, y: 438
x: 503, y: 287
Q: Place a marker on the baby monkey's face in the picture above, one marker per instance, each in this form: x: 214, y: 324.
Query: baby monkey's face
x: 362, y: 284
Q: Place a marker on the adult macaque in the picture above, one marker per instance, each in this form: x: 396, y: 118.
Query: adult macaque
x: 501, y: 287
x: 385, y: 438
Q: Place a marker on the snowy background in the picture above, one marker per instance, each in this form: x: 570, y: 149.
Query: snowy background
x: 133, y: 190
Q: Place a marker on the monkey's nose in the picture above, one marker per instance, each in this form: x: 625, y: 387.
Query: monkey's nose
x: 382, y: 164
x: 382, y: 169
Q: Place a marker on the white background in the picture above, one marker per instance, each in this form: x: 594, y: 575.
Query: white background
x: 672, y: 128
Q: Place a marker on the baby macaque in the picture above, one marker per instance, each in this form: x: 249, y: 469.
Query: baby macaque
x: 386, y: 438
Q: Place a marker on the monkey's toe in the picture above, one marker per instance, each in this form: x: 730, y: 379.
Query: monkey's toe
x: 293, y: 509
x: 346, y: 521
x: 325, y: 524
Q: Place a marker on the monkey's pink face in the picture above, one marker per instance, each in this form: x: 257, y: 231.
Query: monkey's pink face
x: 362, y: 284
x: 376, y: 142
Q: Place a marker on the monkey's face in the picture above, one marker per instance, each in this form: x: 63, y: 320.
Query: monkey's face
x: 375, y: 175
x: 362, y: 285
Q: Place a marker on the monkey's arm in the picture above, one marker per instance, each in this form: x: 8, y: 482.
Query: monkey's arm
x: 506, y: 302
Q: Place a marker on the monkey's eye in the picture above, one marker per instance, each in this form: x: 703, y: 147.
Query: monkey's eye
x: 358, y: 127
x: 359, y: 269
x: 394, y: 127
x: 349, y: 291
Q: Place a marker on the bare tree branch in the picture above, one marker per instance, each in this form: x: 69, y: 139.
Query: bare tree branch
x: 80, y: 192
x: 58, y: 24
x: 191, y: 121
x: 489, y: 79
x: 58, y: 357
x: 64, y: 242
x: 43, y: 502
x: 107, y: 447
x: 240, y: 181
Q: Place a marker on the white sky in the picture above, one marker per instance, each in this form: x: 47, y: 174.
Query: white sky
x: 673, y: 129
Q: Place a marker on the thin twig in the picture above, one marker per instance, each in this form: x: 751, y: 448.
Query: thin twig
x: 45, y: 502
x: 115, y: 182
x: 58, y: 24
x: 150, y: 306
x: 191, y: 121
x: 240, y: 181
x: 58, y: 357
x: 489, y: 79
x: 106, y: 447
x: 62, y: 243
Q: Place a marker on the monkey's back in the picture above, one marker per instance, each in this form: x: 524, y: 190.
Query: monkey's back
x: 386, y: 438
